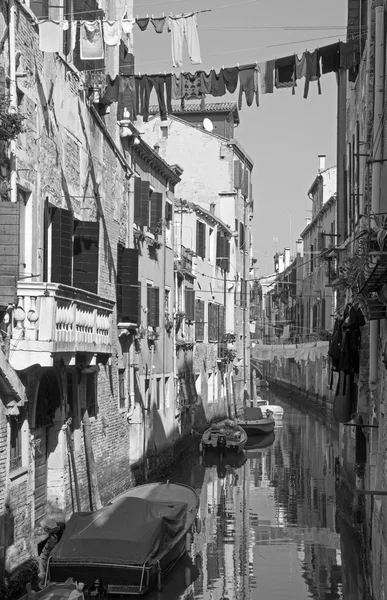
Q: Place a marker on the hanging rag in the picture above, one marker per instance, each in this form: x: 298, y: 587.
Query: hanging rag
x: 73, y: 35
x: 313, y: 72
x: 127, y: 98
x: 248, y: 83
x: 158, y: 23
x: 177, y: 87
x: 301, y: 64
x: 284, y: 72
x: 180, y: 28
x: 231, y: 78
x: 127, y: 33
x: 91, y: 46
x: 65, y: 25
x: 50, y: 39
x: 192, y: 86
x: 267, y: 76
x: 143, y: 23
x: 111, y: 32
x: 330, y: 58
x: 112, y: 90
x: 126, y: 61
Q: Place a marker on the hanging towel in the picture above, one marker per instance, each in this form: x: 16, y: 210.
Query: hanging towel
x: 177, y: 87
x: 158, y: 24
x: 143, y: 23
x: 127, y: 33
x: 91, y: 40
x: 65, y: 25
x: 111, y: 32
x: 73, y: 35
x: 50, y: 39
x: 248, y: 83
x: 205, y: 82
x: 284, y: 72
x: 313, y: 72
x: 231, y: 78
x: 267, y: 76
x: 330, y: 58
x: 180, y: 28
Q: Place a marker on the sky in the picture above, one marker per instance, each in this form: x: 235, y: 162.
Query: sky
x: 286, y: 133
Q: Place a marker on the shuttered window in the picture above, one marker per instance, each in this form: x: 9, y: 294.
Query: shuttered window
x: 141, y: 202
x: 323, y: 305
x: 128, y: 286
x: 212, y: 322
x: 243, y: 293
x: 168, y: 211
x: 190, y: 304
x: 222, y: 251
x: 9, y: 250
x: 221, y: 321
x: 199, y: 320
x: 201, y: 239
x: 153, y: 301
x: 62, y: 246
x: 86, y: 254
x: 245, y: 182
x: 156, y: 211
x: 242, y: 240
x: 238, y: 174
x: 15, y: 454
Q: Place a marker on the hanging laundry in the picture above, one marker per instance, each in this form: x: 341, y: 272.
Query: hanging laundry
x: 284, y: 72
x: 158, y: 23
x: 350, y: 58
x: 127, y: 97
x: 65, y: 25
x: 313, y: 72
x: 50, y: 38
x: 248, y: 83
x: 126, y: 61
x: 73, y: 35
x: 180, y: 28
x: 91, y: 41
x: 143, y: 23
x: 111, y: 32
x: 192, y: 86
x: 330, y: 58
x: 300, y: 66
x: 230, y: 78
x: 144, y: 87
x: 177, y: 87
x: 217, y: 84
x: 112, y: 89
x: 266, y: 70
x: 127, y: 33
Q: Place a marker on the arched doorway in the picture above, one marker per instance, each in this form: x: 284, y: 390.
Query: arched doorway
x: 48, y: 401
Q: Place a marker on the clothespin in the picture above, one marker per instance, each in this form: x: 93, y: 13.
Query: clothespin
x: 163, y: 15
x: 147, y: 16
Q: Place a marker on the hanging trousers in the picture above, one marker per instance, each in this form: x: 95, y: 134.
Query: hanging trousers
x: 184, y: 27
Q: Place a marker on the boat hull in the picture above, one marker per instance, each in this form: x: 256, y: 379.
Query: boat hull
x: 259, y: 427
x: 210, y: 442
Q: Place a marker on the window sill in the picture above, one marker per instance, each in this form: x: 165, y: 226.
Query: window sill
x: 13, y: 475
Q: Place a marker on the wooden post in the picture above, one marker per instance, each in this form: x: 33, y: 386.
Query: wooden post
x: 95, y: 500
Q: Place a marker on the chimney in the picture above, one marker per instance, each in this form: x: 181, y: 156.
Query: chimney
x: 321, y: 162
x: 212, y: 208
x: 299, y: 248
x: 286, y: 257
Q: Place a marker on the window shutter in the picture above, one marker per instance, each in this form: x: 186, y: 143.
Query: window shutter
x: 219, y: 248
x: 145, y: 202
x: 221, y: 323
x: 86, y: 254
x: 200, y: 239
x: 227, y: 253
x: 190, y: 304
x: 199, y: 320
x: 156, y: 211
x: 62, y: 246
x: 168, y: 211
x: 137, y: 201
x: 128, y: 286
x: 237, y: 174
x: 153, y: 306
x: 241, y: 236
x: 9, y: 250
x: 245, y: 183
x: 212, y: 322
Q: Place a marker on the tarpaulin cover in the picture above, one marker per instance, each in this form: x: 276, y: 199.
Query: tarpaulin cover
x: 129, y: 532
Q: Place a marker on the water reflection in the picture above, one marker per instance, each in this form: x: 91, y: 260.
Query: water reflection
x: 268, y: 519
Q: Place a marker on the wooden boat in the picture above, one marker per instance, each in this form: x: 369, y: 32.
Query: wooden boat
x: 264, y: 405
x: 253, y: 421
x: 129, y: 545
x: 225, y: 436
x: 68, y: 590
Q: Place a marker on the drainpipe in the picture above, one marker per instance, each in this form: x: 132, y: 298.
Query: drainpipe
x: 12, y: 95
x: 376, y: 166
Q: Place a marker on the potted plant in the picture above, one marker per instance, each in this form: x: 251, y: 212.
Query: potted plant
x: 168, y: 322
x: 152, y: 335
x: 11, y: 121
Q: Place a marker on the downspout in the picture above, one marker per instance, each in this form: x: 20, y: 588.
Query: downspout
x: 12, y: 96
x: 376, y: 164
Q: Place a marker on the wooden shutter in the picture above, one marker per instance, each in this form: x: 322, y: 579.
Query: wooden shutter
x: 9, y: 251
x: 219, y: 248
x: 86, y: 256
x: 153, y: 298
x: 145, y: 202
x: 221, y: 321
x: 199, y: 320
x: 190, y: 304
x: 156, y: 210
x: 245, y: 183
x: 200, y: 239
x: 137, y: 201
x: 241, y: 236
x: 237, y: 174
x: 61, y: 246
x: 227, y: 253
x: 212, y: 322
x: 128, y: 286
x: 168, y: 211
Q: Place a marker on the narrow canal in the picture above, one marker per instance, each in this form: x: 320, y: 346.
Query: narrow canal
x: 270, y: 528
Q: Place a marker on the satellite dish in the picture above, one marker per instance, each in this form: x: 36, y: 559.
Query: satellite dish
x: 208, y: 124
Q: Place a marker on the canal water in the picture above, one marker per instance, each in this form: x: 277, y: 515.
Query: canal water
x: 269, y: 525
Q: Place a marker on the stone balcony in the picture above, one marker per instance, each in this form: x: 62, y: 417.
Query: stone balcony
x: 52, y: 319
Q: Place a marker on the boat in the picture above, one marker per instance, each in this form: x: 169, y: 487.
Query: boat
x: 68, y: 590
x: 224, y: 436
x: 278, y: 411
x: 259, y: 444
x: 128, y: 546
x: 254, y: 422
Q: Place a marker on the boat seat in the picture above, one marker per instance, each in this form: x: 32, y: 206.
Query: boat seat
x: 124, y: 590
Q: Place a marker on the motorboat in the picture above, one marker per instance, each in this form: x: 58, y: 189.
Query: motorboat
x: 67, y: 590
x: 254, y: 422
x: 224, y: 437
x: 128, y: 546
x: 276, y: 410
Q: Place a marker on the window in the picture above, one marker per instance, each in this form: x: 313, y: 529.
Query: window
x: 311, y: 258
x: 323, y: 305
x: 242, y: 237
x: 201, y: 239
x: 159, y: 383
x: 91, y: 394
x: 199, y: 320
x: 85, y: 256
x: 148, y: 206
x: 238, y: 174
x: 164, y: 131
x: 211, y: 244
x: 212, y: 322
x: 189, y: 304
x: 121, y: 388
x: 153, y: 304
x: 128, y: 286
x: 166, y: 392
x: 15, y: 457
x: 222, y: 251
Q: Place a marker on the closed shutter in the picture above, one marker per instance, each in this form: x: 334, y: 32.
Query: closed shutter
x: 190, y: 304
x: 168, y: 211
x: 145, y: 202
x: 219, y: 248
x: 245, y: 183
x: 241, y: 236
x: 199, y: 320
x: 137, y: 201
x: 156, y: 214
x: 61, y: 246
x: 237, y: 174
x: 212, y: 322
x: 221, y: 322
x: 227, y: 253
x: 9, y: 251
x: 153, y: 298
x: 86, y: 256
x: 128, y: 286
x: 200, y: 239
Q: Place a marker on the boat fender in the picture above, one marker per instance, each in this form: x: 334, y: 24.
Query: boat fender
x: 187, y: 576
x: 188, y: 542
x: 198, y: 524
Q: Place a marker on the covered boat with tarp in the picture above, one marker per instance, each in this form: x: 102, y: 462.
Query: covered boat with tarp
x: 131, y: 543
x: 224, y: 436
x: 254, y: 422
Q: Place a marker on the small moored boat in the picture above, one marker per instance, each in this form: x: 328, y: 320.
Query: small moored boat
x: 128, y: 546
x: 225, y: 436
x: 264, y: 405
x: 253, y: 421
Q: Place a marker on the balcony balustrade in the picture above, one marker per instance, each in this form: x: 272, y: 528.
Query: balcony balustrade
x: 51, y: 318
